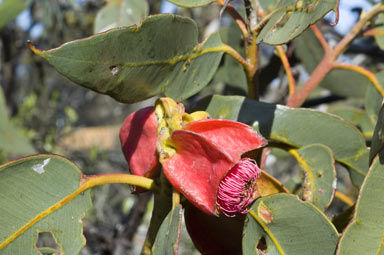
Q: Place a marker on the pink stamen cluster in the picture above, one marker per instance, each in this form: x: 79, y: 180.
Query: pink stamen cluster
x: 238, y: 189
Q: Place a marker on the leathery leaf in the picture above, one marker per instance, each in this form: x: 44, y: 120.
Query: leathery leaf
x: 131, y: 64
x: 289, y: 18
x: 364, y: 235
x: 289, y: 226
x: 318, y: 165
x: 167, y: 239
x: 39, y: 196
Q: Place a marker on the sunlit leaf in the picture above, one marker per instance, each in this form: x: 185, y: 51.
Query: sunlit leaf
x: 167, y: 239
x: 289, y: 226
x: 297, y: 128
x: 11, y: 138
x: 9, y: 9
x: 290, y: 18
x: 340, y: 82
x: 35, y: 197
x: 318, y: 165
x: 364, y: 235
x: 191, y: 3
x: 135, y: 63
x: 268, y: 185
x: 120, y: 13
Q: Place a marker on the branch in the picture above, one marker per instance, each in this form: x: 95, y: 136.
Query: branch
x: 327, y: 63
x: 342, y: 45
x: 321, y: 39
x: 373, y: 32
x: 236, y: 55
x: 236, y: 16
x: 90, y: 181
x: 347, y: 200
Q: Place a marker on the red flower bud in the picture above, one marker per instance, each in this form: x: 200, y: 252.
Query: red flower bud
x: 138, y: 140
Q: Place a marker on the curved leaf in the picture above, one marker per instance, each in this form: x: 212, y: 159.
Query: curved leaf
x: 364, y: 235
x: 191, y: 3
x: 268, y: 185
x: 135, y: 63
x: 167, y: 239
x: 289, y: 226
x: 310, y: 52
x: 38, y: 194
x: 255, y: 241
x: 297, y: 128
x: 9, y: 9
x: 290, y: 18
x: 11, y: 138
x: 318, y: 165
x: 120, y: 13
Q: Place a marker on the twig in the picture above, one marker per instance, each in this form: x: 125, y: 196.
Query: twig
x: 327, y: 63
x: 321, y: 39
x: 373, y: 32
x: 349, y: 201
x: 236, y: 16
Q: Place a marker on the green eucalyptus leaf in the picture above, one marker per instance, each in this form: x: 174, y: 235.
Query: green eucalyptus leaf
x: 373, y: 99
x: 357, y: 117
x: 11, y: 138
x: 232, y: 73
x: 380, y: 38
x: 167, y: 239
x: 318, y: 164
x: 289, y: 18
x: 378, y: 136
x: 37, y: 195
x: 9, y: 9
x: 341, y: 82
x: 253, y: 235
x: 293, y: 226
x: 268, y: 5
x: 364, y: 235
x: 191, y: 3
x: 297, y: 128
x: 135, y: 63
x: 120, y: 13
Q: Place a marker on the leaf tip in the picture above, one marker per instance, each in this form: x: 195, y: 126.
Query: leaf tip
x: 33, y: 48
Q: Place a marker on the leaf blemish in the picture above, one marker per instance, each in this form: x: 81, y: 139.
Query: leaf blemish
x: 265, y: 213
x: 39, y: 168
x: 114, y: 69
